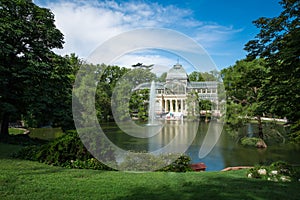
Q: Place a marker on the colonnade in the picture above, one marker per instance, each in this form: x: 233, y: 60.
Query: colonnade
x: 173, y: 104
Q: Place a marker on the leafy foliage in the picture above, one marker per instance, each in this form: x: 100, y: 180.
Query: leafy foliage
x: 278, y: 43
x: 181, y: 164
x: 251, y: 142
x: 204, y: 76
x: 124, y: 99
x: 278, y: 172
x: 147, y: 162
x: 138, y: 104
x: 295, y: 132
x: 108, y: 78
x: 90, y: 163
x: 66, y: 151
x: 243, y: 83
x: 193, y: 108
x: 34, y: 81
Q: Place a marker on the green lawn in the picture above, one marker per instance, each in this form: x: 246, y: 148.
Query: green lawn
x: 20, y: 179
x: 16, y: 131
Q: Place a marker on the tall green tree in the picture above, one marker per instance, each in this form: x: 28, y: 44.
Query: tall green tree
x: 278, y: 43
x: 139, y: 104
x: 195, y: 76
x: 32, y: 78
x: 108, y: 78
x: 205, y: 105
x: 123, y: 101
x: 162, y: 77
x: 213, y: 75
x: 243, y: 83
x: 192, y: 101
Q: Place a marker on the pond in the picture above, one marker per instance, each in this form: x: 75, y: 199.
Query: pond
x: 227, y: 152
x: 189, y: 136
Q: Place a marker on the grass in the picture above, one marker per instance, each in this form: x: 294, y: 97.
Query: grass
x: 16, y: 131
x: 21, y: 179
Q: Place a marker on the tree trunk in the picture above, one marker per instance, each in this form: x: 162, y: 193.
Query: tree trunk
x: 4, y: 125
x: 260, y: 128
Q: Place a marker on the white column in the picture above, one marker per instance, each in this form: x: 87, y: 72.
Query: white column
x: 161, y: 105
x: 171, y: 105
x: 166, y: 105
x: 181, y: 105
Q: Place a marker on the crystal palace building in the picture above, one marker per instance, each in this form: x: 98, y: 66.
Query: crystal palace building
x: 171, y: 96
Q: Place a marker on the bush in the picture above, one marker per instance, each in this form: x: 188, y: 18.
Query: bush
x: 148, y: 162
x: 28, y: 153
x: 181, y: 164
x: 62, y: 150
x: 295, y: 132
x: 69, y: 151
x: 277, y: 171
x: 251, y: 142
x: 66, y: 151
x: 90, y: 163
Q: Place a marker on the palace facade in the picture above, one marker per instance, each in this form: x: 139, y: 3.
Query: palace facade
x: 171, y: 96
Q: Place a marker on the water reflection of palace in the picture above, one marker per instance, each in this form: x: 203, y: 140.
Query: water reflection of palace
x: 174, y: 137
x: 171, y: 96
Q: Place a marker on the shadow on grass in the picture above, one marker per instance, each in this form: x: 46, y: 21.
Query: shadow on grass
x: 219, y: 188
x: 22, y: 139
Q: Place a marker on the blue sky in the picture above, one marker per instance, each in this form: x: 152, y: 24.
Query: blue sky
x: 221, y: 27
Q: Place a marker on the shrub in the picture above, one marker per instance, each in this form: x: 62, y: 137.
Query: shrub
x: 62, y: 150
x: 247, y: 141
x: 295, y: 132
x: 277, y: 171
x: 181, y: 164
x: 90, y: 163
x: 27, y: 153
x: 66, y: 151
x: 148, y: 162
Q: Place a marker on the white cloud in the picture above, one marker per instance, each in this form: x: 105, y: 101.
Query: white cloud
x: 87, y: 24
x: 211, y: 34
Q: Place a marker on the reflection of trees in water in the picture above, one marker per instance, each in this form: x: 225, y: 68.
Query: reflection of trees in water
x: 235, y: 154
x: 227, y: 152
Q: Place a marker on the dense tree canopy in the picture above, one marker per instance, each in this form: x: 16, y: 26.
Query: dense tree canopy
x: 204, y: 76
x: 243, y: 83
x: 123, y: 101
x: 108, y: 79
x: 278, y: 43
x: 34, y: 81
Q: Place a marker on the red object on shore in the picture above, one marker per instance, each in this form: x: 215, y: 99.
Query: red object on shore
x: 198, y: 167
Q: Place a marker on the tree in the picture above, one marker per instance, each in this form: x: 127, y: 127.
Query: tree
x: 205, y: 105
x: 104, y: 78
x: 195, y: 76
x: 243, y: 83
x: 193, y: 105
x: 32, y: 78
x: 204, y: 76
x: 108, y: 78
x: 278, y: 43
x: 138, y: 104
x: 123, y: 101
x: 74, y: 63
x: 162, y: 77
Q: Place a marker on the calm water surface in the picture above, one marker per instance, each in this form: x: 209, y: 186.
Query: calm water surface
x: 227, y: 152
x: 188, y: 137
